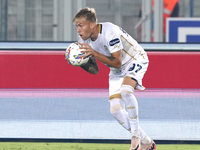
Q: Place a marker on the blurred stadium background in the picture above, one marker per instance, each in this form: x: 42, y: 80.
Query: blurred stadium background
x: 42, y: 97
x: 50, y: 20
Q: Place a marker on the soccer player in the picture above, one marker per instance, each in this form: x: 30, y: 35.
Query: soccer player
x: 128, y: 63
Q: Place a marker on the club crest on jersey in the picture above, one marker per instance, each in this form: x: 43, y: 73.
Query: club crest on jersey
x: 105, y: 47
x: 114, y: 41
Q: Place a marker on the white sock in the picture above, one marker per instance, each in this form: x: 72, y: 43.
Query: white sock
x: 146, y: 140
x: 117, y: 109
x: 131, y: 106
x: 142, y: 133
x: 121, y: 115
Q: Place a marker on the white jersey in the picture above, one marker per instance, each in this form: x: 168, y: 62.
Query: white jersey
x: 112, y: 38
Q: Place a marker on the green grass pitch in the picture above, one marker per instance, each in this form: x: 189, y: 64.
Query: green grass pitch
x: 85, y: 146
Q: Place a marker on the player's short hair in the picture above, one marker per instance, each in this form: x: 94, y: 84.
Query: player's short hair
x: 88, y: 13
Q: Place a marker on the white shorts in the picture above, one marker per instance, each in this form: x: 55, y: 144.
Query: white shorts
x: 135, y: 70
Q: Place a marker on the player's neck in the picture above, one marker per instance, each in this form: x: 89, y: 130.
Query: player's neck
x: 95, y: 33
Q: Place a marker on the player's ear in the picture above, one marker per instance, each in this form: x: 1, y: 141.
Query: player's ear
x: 92, y: 25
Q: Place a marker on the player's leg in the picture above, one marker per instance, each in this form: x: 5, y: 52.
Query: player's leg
x: 117, y: 105
x: 146, y: 142
x: 133, y: 80
x: 117, y: 109
x: 144, y: 137
x: 127, y: 94
x: 148, y: 146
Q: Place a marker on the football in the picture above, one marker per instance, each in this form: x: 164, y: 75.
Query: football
x: 74, y: 56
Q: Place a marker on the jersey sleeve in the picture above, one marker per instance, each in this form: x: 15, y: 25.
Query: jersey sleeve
x: 113, y: 40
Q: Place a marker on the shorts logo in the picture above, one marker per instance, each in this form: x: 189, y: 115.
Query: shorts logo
x: 114, y: 41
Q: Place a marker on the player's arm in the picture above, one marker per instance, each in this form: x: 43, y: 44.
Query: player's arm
x: 114, y: 60
x: 91, y: 66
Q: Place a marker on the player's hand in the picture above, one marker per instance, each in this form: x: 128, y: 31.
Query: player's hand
x: 87, y: 49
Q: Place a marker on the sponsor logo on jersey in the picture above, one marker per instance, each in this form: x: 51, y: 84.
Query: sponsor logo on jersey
x: 114, y: 41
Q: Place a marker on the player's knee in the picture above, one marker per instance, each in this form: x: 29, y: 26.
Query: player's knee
x: 126, y: 90
x: 115, y: 109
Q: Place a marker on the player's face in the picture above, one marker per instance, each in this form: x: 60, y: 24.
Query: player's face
x: 84, y: 28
